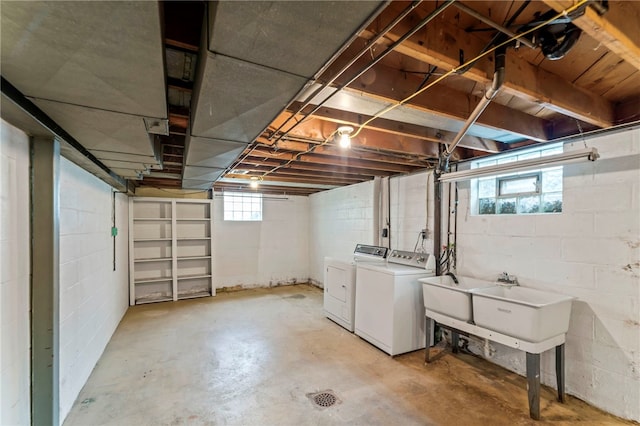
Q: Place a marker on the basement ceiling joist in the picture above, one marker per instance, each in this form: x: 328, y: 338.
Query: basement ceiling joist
x: 242, y: 98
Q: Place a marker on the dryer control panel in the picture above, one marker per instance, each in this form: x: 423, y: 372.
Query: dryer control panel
x: 409, y: 258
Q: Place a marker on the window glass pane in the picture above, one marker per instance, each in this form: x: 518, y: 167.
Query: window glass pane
x: 552, y: 180
x: 240, y: 206
x: 487, y: 206
x: 529, y: 155
x: 486, y: 163
x: 524, y: 192
x: 506, y: 206
x: 528, y: 205
x: 552, y: 151
x: 552, y: 203
x: 487, y: 187
x: 523, y: 185
x: 507, y: 160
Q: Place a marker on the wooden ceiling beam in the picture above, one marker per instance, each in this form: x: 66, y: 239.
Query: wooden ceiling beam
x: 308, y: 180
x: 293, y: 170
x: 352, y: 153
x: 250, y: 162
x: 393, y: 85
x: 319, y: 130
x: 404, y: 129
x: 440, y: 43
x: 617, y: 29
x: 330, y: 160
x: 265, y: 188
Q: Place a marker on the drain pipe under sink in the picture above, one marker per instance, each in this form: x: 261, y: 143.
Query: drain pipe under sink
x: 498, y: 79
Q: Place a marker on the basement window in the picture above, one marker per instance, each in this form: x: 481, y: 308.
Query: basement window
x: 529, y: 192
x: 242, y: 206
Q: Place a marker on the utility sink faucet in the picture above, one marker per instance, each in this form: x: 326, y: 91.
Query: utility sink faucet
x: 507, y: 280
x: 453, y: 277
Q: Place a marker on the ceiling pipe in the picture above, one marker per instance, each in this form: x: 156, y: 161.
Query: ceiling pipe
x: 494, y: 25
x: 498, y: 79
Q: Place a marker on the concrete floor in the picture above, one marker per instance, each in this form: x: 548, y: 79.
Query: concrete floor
x: 251, y: 357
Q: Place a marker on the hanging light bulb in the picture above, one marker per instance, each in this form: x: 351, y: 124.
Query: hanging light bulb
x: 344, y: 136
x: 255, y: 182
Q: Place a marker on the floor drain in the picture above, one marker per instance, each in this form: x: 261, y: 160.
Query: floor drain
x: 323, y: 399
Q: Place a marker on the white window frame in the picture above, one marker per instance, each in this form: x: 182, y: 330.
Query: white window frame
x: 242, y: 206
x: 499, y: 197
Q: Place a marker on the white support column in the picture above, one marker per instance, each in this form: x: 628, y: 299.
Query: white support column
x: 45, y: 286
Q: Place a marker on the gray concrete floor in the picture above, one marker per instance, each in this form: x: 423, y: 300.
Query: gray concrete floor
x: 251, y: 357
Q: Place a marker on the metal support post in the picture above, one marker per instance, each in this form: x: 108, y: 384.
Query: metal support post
x: 533, y: 385
x: 427, y: 335
x: 560, y: 371
x: 45, y: 289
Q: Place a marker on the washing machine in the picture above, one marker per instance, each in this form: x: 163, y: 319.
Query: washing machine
x: 389, y: 305
x: 340, y: 283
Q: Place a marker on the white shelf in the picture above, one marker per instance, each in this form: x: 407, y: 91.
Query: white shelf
x: 158, y: 259
x: 193, y: 257
x: 191, y: 277
x: 164, y: 232
x: 153, y: 280
x: 194, y: 295
x: 143, y: 300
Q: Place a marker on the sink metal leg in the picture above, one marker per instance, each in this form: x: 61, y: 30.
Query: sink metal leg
x: 427, y: 335
x: 560, y: 371
x: 454, y: 342
x: 533, y: 384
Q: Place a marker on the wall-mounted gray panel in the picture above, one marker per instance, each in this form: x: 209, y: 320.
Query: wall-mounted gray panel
x: 101, y: 130
x: 236, y: 100
x: 106, y: 55
x: 212, y: 152
x: 295, y: 36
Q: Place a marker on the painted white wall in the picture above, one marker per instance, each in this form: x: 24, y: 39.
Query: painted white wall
x: 93, y: 297
x: 590, y: 251
x: 263, y: 253
x: 14, y: 277
x: 339, y: 219
x: 409, y: 211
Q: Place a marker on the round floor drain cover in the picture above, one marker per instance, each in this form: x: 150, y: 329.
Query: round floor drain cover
x: 323, y: 399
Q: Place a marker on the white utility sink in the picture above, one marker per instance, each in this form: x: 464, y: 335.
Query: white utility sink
x: 523, y: 313
x: 441, y: 294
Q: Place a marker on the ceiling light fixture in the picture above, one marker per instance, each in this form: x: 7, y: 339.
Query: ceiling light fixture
x: 344, y: 136
x: 575, y: 156
x: 255, y: 182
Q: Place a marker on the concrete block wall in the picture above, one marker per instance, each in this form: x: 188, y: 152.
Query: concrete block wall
x: 270, y: 252
x: 589, y: 251
x: 409, y: 211
x: 93, y: 297
x: 338, y: 220
x: 14, y: 277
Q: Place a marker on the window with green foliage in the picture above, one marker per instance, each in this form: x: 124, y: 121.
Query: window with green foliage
x: 242, y: 206
x: 530, y: 192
